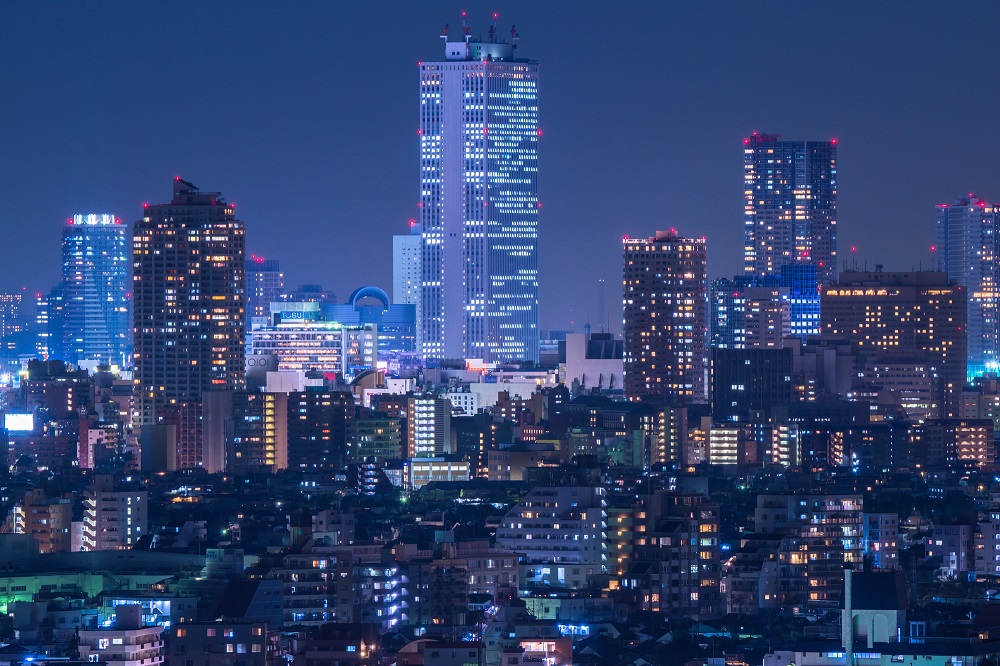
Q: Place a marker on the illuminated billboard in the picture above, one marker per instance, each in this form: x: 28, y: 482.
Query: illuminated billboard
x: 19, y: 422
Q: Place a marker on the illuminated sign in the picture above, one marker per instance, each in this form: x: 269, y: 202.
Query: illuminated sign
x: 19, y: 422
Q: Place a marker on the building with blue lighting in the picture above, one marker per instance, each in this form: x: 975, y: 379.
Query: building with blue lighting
x: 95, y: 288
x: 396, y: 322
x: 967, y: 238
x: 796, y: 286
x: 479, y: 202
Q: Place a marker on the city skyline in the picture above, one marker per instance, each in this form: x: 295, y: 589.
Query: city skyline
x: 888, y: 142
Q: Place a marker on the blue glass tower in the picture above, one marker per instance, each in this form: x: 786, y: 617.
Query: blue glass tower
x: 479, y: 203
x: 95, y: 286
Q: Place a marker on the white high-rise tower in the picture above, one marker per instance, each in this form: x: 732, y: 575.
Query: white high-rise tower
x: 479, y: 202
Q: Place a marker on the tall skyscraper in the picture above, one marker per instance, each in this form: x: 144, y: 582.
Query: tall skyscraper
x: 790, y: 205
x: 968, y: 235
x: 665, y: 317
x: 265, y: 285
x: 189, y: 303
x: 479, y: 202
x: 95, y: 287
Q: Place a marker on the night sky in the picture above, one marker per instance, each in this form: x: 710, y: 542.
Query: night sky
x: 305, y: 115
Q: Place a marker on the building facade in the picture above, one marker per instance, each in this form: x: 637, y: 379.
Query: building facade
x: 967, y: 250
x: 790, y: 205
x: 665, y: 317
x: 903, y: 315
x: 406, y: 266
x: 95, y: 288
x: 265, y: 285
x: 479, y: 203
x: 189, y: 301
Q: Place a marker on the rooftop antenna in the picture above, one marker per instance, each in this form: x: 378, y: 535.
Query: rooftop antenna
x: 493, y: 29
x: 466, y: 28
x: 514, y: 35
x: 444, y: 33
x: 601, y: 312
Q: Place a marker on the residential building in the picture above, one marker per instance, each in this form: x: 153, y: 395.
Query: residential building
x: 321, y: 428
x: 115, y: 517
x: 219, y: 643
x: 189, y: 303
x: 47, y: 519
x: 592, y: 361
x: 745, y: 381
x: 560, y: 534
x: 790, y: 205
x: 665, y: 317
x: 128, y: 642
x: 428, y: 426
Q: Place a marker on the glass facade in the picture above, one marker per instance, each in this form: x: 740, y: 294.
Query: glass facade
x: 95, y: 291
x: 479, y: 204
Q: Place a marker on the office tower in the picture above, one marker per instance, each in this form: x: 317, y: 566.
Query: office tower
x: 905, y: 316
x: 10, y: 313
x: 479, y: 203
x: 95, y: 286
x: 190, y: 304
x: 968, y: 234
x: 310, y: 293
x: 790, y: 205
x: 406, y: 266
x: 664, y: 317
x: 265, y: 284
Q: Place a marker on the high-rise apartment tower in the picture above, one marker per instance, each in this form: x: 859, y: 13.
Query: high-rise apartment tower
x: 189, y: 301
x: 790, y: 205
x: 665, y: 317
